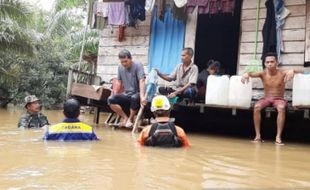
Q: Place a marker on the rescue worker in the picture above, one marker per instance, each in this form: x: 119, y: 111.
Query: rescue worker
x: 33, y: 118
x: 163, y: 132
x: 71, y: 128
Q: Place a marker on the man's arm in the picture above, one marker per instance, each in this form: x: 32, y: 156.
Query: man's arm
x: 117, y: 87
x: 179, y: 90
x: 246, y: 76
x: 118, y: 83
x: 23, y: 122
x: 144, y: 135
x: 182, y: 136
x: 289, y: 74
x: 165, y: 77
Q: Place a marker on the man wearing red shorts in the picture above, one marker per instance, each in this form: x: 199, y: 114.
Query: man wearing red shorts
x: 274, y: 80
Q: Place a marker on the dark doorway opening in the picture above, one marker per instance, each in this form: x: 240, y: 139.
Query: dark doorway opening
x: 217, y: 38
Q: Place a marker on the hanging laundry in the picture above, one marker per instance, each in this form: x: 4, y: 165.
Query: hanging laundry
x: 180, y: 3
x: 92, y: 8
x: 179, y: 13
x: 228, y: 6
x: 136, y: 11
x: 161, y: 6
x: 269, y: 31
x: 116, y: 13
x: 211, y: 6
x: 203, y: 6
x: 91, y: 12
x: 102, y: 9
x: 149, y: 5
x: 101, y: 15
x: 166, y: 43
x: 214, y: 7
x: 121, y: 33
x: 281, y: 12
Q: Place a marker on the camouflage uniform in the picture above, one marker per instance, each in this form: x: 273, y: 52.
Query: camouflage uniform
x: 33, y: 120
x: 29, y: 120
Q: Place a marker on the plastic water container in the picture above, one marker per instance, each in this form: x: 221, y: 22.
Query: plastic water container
x: 217, y: 90
x: 301, y: 90
x: 240, y: 95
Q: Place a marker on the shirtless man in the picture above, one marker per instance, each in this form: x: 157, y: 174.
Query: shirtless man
x: 274, y: 80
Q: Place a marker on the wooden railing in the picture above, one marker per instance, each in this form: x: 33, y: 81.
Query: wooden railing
x: 76, y: 76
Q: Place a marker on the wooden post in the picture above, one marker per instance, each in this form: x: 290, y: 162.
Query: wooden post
x: 191, y: 27
x: 307, y: 48
x: 69, y: 84
x: 96, y: 115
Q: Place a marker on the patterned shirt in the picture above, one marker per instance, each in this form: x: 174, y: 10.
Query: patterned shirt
x: 29, y: 120
x: 182, y: 78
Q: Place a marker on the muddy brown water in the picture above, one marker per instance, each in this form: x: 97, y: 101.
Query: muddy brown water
x: 118, y: 162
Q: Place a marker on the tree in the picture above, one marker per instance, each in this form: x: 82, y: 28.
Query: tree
x: 14, y: 34
x: 39, y: 48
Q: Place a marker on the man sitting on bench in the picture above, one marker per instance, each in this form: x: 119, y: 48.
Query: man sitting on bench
x: 131, y: 75
x: 274, y: 80
x: 185, y: 75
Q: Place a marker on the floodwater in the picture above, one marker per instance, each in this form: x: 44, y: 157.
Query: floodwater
x: 118, y: 162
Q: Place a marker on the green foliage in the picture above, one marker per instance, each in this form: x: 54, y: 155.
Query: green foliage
x: 38, y: 48
x: 69, y: 4
x: 14, y: 35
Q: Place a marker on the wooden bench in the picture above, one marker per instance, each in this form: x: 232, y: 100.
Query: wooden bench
x: 256, y: 96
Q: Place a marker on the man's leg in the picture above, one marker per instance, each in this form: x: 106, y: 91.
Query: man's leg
x: 261, y: 104
x: 134, y: 107
x: 280, y: 105
x: 165, y: 90
x: 280, y: 123
x: 190, y: 93
x: 257, y: 122
x: 115, y: 103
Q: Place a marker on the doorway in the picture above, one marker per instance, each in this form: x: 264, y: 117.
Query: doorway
x: 217, y: 37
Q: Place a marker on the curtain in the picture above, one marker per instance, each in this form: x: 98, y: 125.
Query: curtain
x: 167, y: 39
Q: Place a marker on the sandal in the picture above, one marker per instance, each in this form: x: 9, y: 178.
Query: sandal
x: 257, y: 141
x: 280, y: 143
x: 128, y: 124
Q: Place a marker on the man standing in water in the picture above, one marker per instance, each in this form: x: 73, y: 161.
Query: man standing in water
x: 33, y: 118
x: 274, y: 80
x: 131, y: 75
x: 163, y: 132
x: 185, y: 75
x: 71, y: 128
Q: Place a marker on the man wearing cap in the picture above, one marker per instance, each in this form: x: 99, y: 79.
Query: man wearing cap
x: 33, y: 118
x: 185, y: 75
x: 163, y: 132
x: 71, y: 128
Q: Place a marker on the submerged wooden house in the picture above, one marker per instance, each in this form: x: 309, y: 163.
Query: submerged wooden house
x: 229, y: 38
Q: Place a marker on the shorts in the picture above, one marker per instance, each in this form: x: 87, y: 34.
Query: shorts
x: 126, y: 101
x: 274, y: 101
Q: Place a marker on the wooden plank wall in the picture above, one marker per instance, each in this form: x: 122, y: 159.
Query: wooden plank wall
x: 307, y: 53
x: 136, y: 41
x: 191, y: 27
x: 293, y: 33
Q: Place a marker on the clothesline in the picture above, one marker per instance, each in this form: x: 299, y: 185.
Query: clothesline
x: 128, y: 12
